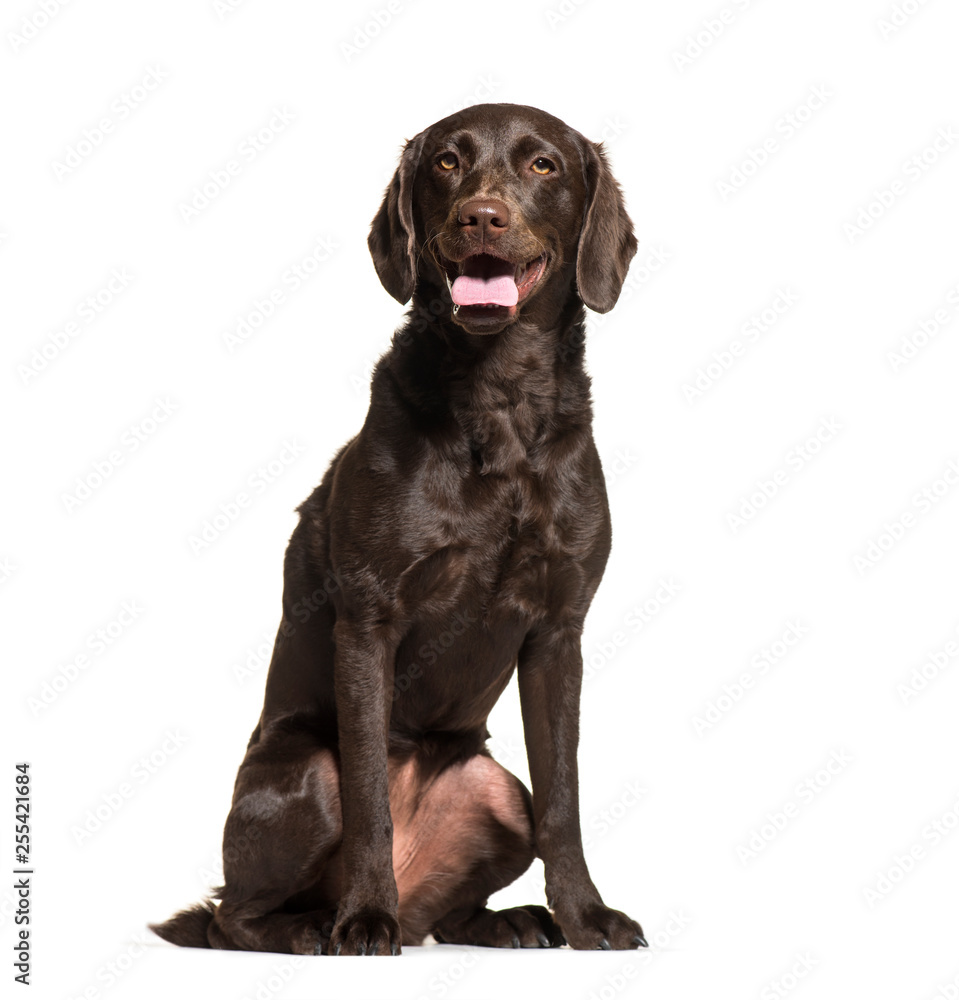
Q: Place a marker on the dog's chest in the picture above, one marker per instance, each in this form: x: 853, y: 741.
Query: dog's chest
x: 508, y: 546
x: 472, y: 601
x: 511, y: 502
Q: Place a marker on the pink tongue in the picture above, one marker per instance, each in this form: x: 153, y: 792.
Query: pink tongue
x: 498, y: 291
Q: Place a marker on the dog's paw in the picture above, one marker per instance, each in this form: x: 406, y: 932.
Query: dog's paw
x: 598, y: 926
x: 365, y: 932
x: 518, y: 927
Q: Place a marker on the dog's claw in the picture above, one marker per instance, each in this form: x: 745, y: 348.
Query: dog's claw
x: 605, y: 945
x: 336, y: 950
x: 543, y: 940
x: 514, y: 941
x: 394, y: 948
x: 641, y: 941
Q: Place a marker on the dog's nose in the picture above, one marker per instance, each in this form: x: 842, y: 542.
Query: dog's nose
x: 485, y: 218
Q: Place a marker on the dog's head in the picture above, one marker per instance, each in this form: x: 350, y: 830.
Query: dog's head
x: 494, y: 206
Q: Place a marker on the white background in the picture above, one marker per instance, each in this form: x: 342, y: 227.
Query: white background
x: 681, y: 820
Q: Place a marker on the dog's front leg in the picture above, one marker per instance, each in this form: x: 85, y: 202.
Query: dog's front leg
x: 550, y: 677
x: 366, y: 921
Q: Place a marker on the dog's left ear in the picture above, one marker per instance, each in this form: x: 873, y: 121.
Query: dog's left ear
x: 392, y: 240
x: 607, y: 243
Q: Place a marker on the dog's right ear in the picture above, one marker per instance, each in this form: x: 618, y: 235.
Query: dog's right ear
x: 392, y: 239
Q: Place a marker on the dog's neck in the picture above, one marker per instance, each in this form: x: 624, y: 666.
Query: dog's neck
x: 509, y: 393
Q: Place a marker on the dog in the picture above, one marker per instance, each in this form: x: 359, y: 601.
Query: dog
x: 457, y: 539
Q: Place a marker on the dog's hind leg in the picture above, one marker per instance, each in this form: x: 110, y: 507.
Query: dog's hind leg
x: 282, y: 830
x: 459, y: 838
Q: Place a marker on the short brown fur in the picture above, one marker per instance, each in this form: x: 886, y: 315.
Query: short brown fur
x: 459, y: 537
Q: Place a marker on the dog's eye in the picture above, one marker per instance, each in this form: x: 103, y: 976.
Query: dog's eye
x: 448, y: 161
x: 543, y: 166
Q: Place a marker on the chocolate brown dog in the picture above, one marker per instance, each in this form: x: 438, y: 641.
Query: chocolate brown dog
x: 458, y: 537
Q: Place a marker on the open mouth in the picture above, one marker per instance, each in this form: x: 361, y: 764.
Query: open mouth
x: 482, y: 283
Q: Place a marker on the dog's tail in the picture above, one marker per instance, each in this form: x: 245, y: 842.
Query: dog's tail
x: 188, y: 928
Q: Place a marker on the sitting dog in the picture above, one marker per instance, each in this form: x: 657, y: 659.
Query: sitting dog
x: 459, y: 537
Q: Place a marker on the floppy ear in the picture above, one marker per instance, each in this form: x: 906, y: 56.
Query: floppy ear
x: 392, y: 240
x: 606, y: 243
